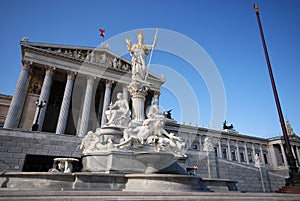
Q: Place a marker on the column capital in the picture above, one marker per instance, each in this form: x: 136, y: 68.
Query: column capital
x: 108, y: 83
x: 138, y: 89
x: 156, y: 92
x: 50, y: 70
x: 90, y: 79
x: 71, y: 75
x: 125, y: 87
x: 26, y: 64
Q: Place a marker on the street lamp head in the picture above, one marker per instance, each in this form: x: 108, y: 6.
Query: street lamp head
x: 37, y: 102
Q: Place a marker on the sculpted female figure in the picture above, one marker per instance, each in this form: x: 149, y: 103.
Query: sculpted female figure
x: 119, y: 113
x: 138, y: 52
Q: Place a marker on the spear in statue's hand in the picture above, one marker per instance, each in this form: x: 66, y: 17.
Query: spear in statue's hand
x: 151, y: 52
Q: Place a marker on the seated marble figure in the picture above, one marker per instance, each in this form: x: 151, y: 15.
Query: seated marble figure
x: 119, y: 113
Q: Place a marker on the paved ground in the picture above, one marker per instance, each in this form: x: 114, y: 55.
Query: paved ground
x: 86, y: 195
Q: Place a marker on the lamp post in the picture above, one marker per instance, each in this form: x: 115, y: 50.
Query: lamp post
x: 294, y: 177
x: 40, y: 105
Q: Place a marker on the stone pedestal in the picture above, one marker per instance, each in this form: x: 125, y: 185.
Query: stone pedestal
x: 117, y: 161
x: 101, y: 183
x: 138, y: 90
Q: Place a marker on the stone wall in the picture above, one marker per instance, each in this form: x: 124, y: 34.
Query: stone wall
x: 250, y: 178
x: 276, y: 181
x: 15, y: 145
x: 206, y: 162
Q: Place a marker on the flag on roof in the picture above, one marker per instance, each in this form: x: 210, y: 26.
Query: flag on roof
x: 102, y: 33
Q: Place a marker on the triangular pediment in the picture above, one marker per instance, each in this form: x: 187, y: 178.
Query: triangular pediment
x: 96, y: 56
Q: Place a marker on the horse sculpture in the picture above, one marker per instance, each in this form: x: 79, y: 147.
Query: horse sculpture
x: 230, y: 127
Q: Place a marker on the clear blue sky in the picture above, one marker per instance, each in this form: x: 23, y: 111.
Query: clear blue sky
x: 227, y: 30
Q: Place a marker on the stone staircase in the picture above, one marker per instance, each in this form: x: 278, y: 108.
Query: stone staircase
x: 87, y: 195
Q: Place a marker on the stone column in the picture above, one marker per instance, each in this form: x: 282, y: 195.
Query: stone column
x: 125, y: 92
x: 229, y: 150
x: 156, y: 97
x: 200, y: 142
x: 298, y: 155
x: 106, y: 101
x: 64, y: 110
x: 262, y: 158
x: 44, y: 96
x: 253, y: 152
x: 19, y: 94
x: 246, y: 153
x: 211, y: 158
x: 273, y: 156
x: 283, y: 154
x: 86, y: 107
x: 220, y: 148
x: 238, y: 152
x: 100, y: 107
x: 138, y: 91
x: 293, y: 151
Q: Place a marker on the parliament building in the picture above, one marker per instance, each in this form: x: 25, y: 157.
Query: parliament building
x: 65, y: 90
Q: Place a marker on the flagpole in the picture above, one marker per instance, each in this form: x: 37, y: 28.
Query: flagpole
x: 294, y: 179
x: 151, y: 53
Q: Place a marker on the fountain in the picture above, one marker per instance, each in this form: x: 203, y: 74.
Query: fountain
x: 137, y: 144
x: 137, y: 153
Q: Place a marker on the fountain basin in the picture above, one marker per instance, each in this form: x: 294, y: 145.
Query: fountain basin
x: 118, y: 161
x: 115, y: 182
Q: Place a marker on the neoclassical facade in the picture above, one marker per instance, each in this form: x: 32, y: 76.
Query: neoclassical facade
x: 235, y: 147
x: 79, y: 83
x: 76, y: 83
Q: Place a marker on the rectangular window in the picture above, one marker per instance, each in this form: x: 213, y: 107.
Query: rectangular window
x: 242, y: 157
x: 250, y: 157
x: 266, y: 158
x: 233, y: 155
x: 224, y: 153
x: 216, y: 152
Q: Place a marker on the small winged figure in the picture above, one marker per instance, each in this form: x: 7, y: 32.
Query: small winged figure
x: 128, y: 41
